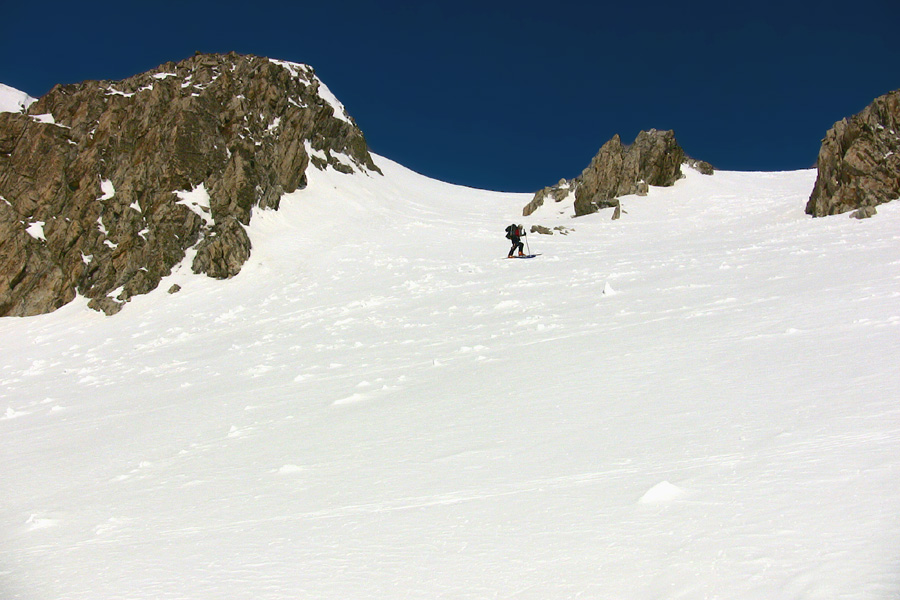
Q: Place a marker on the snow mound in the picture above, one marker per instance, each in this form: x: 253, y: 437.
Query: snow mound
x: 662, y: 493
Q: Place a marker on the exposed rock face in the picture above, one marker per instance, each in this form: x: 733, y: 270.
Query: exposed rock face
x: 859, y: 162
x: 104, y: 186
x: 655, y: 158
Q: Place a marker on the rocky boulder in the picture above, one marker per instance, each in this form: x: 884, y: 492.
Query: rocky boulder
x: 105, y: 186
x: 655, y: 158
x: 859, y: 162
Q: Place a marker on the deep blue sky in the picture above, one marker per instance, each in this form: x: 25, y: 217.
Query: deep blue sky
x: 511, y: 95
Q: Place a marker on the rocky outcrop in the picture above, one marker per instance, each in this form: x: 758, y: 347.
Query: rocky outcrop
x: 105, y: 186
x: 655, y: 158
x: 547, y: 231
x: 701, y: 166
x: 859, y: 162
x: 557, y: 193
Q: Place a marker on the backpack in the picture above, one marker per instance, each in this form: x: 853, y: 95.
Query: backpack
x: 514, y: 231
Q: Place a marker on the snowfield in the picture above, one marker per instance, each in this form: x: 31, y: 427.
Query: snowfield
x: 697, y: 401
x: 12, y: 100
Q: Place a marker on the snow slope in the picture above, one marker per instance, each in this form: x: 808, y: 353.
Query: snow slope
x: 12, y: 100
x: 699, y: 400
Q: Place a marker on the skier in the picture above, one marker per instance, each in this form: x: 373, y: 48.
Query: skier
x: 514, y: 233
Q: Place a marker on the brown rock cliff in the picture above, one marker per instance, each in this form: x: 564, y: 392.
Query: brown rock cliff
x: 859, y: 161
x: 89, y: 175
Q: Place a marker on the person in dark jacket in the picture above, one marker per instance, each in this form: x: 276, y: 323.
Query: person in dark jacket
x: 514, y: 233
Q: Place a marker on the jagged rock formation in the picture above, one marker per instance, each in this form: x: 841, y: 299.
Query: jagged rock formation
x: 655, y: 158
x: 106, y: 186
x: 859, y: 162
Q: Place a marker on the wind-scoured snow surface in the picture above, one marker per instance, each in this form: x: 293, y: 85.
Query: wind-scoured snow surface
x: 699, y: 400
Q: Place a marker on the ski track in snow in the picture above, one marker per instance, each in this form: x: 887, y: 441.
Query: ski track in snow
x: 698, y: 400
